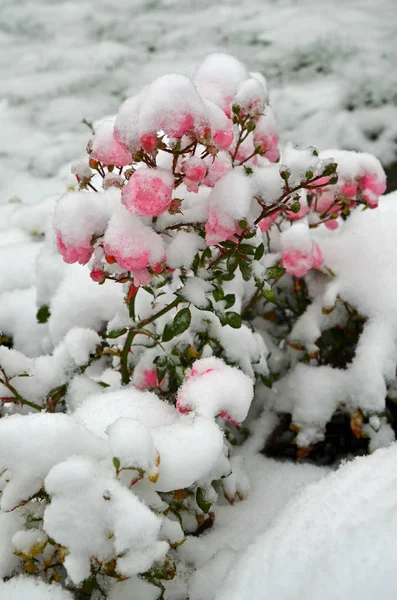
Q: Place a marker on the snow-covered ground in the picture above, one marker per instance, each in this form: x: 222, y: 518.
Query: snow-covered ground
x: 331, y: 67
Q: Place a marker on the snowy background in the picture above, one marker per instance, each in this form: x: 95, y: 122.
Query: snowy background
x: 331, y: 67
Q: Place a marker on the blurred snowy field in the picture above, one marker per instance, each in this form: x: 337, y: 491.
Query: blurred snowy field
x: 331, y: 67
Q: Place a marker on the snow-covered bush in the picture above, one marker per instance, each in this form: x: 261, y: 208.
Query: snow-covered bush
x: 197, y: 264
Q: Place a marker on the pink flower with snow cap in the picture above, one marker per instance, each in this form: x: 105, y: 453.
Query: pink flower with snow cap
x: 107, y: 149
x: 148, y: 379
x: 217, y: 169
x: 133, y: 245
x: 300, y: 252
x: 371, y: 187
x: 195, y: 169
x: 214, y: 388
x: 148, y: 193
x: 219, y: 227
x: 72, y: 253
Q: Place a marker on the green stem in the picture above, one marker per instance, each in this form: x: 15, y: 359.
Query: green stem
x: 125, y: 375
x: 17, y: 395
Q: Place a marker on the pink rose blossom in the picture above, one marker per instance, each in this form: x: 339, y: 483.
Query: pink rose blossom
x: 371, y: 188
x: 298, y: 263
x: 219, y: 227
x: 97, y: 275
x: 223, y: 139
x: 176, y: 128
x: 349, y: 189
x: 216, y: 170
x: 149, y: 380
x: 148, y: 192
x: 107, y: 149
x: 72, y: 253
x: 148, y: 142
x: 195, y: 169
x: 331, y: 224
x: 268, y: 145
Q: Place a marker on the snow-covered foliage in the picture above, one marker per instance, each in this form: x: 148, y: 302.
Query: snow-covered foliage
x: 191, y: 264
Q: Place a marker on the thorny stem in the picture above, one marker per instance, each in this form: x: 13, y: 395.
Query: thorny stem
x: 17, y: 395
x: 125, y: 375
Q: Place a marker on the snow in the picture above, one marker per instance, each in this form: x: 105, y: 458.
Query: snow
x: 359, y: 269
x: 20, y: 588
x: 31, y: 444
x: 107, y: 520
x: 330, y: 540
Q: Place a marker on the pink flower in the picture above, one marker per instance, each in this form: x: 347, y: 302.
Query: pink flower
x: 195, y: 169
x: 133, y: 245
x: 318, y: 258
x: 148, y: 142
x: 142, y: 277
x: 268, y: 146
x: 177, y: 127
x: 371, y: 188
x: 216, y: 170
x: 219, y: 227
x: 298, y: 263
x: 148, y: 192
x: 72, y: 253
x: 223, y: 139
x: 213, y: 388
x: 107, y: 149
x: 97, y: 275
x: 331, y: 224
x: 349, y: 190
x: 149, y: 380
x: 129, y: 261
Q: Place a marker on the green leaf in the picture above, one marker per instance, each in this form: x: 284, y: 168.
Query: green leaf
x: 182, y: 321
x: 233, y: 319
x: 226, y: 276
x: 115, y: 333
x: 247, y: 249
x: 218, y: 294
x: 168, y: 332
x: 202, y: 501
x: 116, y: 462
x: 274, y: 272
x: 103, y: 384
x: 245, y: 269
x: 229, y: 300
x: 43, y: 314
x: 148, y: 289
x: 232, y: 263
x: 259, y: 252
x: 269, y: 295
x: 330, y: 169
